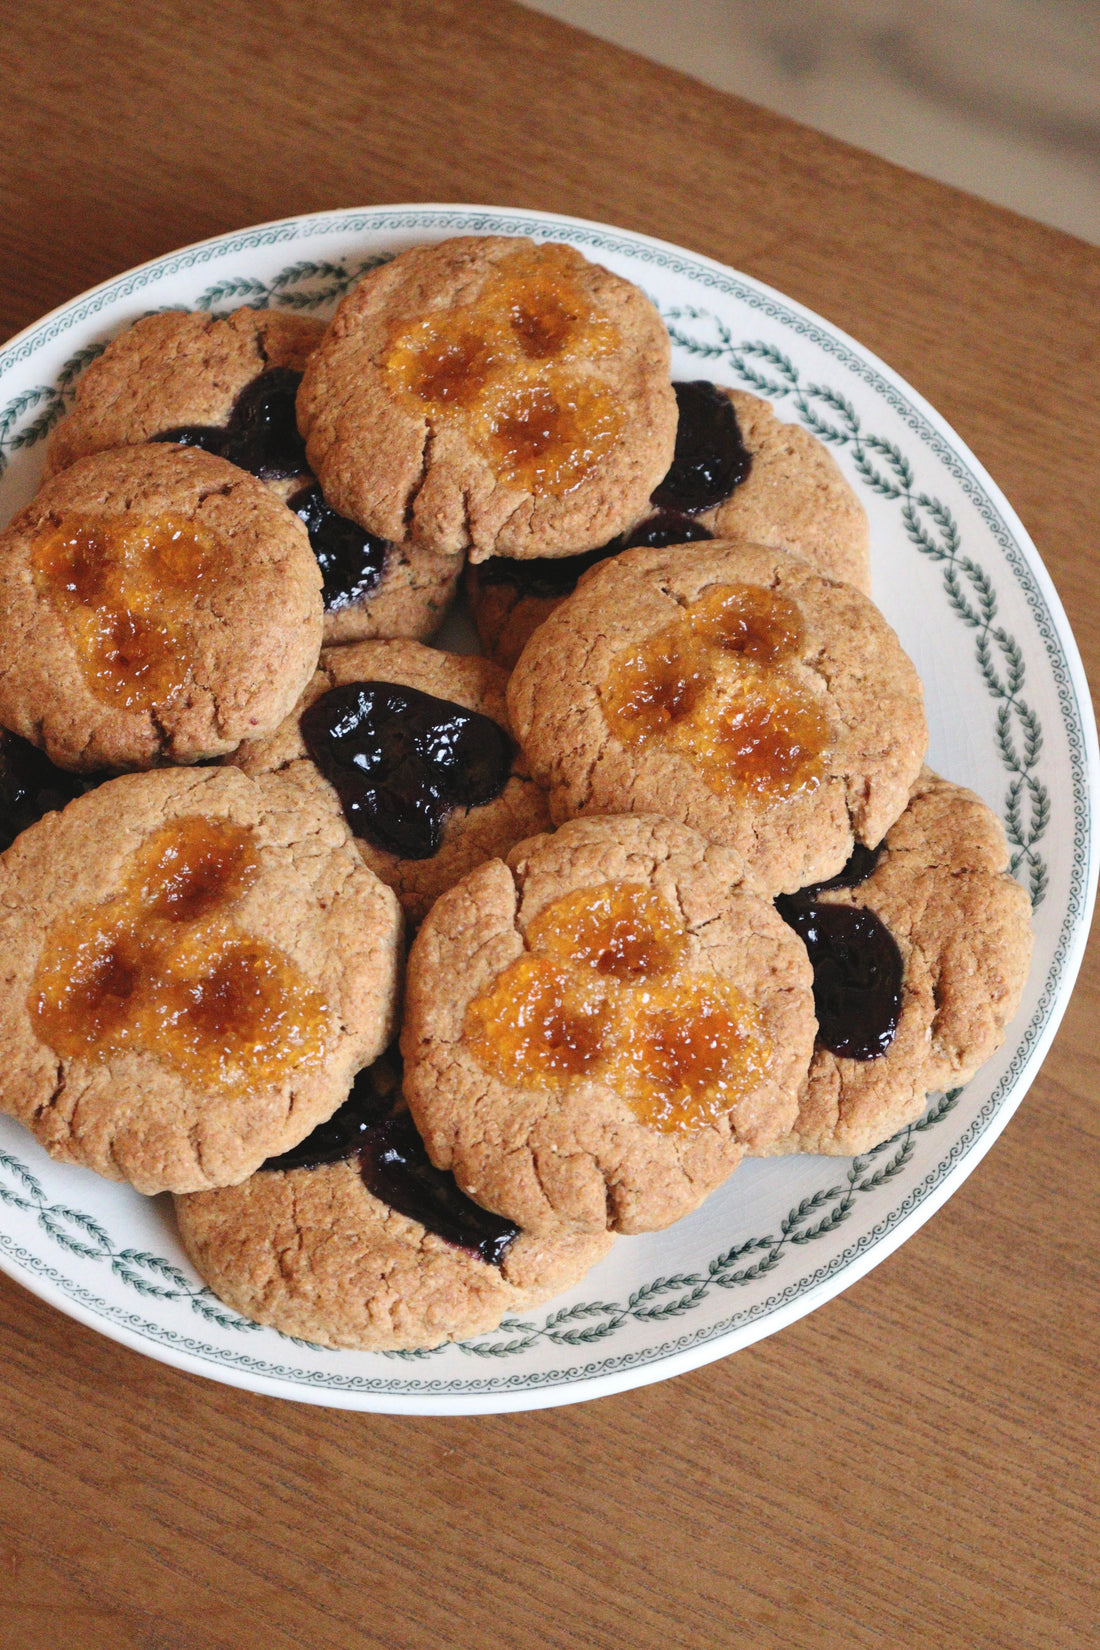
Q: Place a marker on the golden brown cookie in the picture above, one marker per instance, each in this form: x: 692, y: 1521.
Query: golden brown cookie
x: 156, y: 604
x: 394, y: 758
x: 920, y: 957
x: 185, y: 373
x: 733, y: 688
x: 228, y: 385
x: 196, y: 964
x: 595, y: 1031
x: 353, y: 1239
x: 492, y: 395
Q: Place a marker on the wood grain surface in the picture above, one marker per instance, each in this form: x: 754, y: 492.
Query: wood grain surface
x: 914, y: 1464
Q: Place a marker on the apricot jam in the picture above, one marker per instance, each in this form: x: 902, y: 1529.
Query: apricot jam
x: 604, y: 992
x: 684, y: 1054
x: 162, y: 969
x: 720, y: 684
x: 125, y: 589
x: 512, y: 368
x: 620, y: 928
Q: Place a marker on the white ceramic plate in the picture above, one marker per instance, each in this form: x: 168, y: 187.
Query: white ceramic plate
x: 1009, y: 711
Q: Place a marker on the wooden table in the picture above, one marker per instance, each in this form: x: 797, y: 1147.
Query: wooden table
x: 908, y: 1466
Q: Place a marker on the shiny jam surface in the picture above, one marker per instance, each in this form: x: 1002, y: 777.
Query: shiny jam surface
x: 351, y: 560
x: 373, y: 1127
x: 163, y: 970
x: 513, y: 367
x: 857, y: 964
x: 719, y: 683
x: 125, y: 589
x: 401, y: 759
x: 604, y: 992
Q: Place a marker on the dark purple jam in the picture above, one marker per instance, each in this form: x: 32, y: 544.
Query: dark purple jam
x: 395, y: 1167
x: 351, y: 559
x: 402, y: 759
x: 856, y: 962
x: 557, y: 575
x: 261, y: 433
x: 30, y: 786
x: 710, y: 459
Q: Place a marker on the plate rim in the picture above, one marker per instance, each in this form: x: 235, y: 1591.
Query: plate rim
x: 1073, y: 931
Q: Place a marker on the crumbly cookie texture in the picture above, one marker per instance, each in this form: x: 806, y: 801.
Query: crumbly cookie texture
x: 963, y: 926
x: 181, y: 367
x: 253, y: 626
x: 411, y: 468
x: 313, y: 1253
x: 794, y: 498
x: 579, y: 1153
x: 133, y: 1115
x: 470, y: 835
x: 848, y: 668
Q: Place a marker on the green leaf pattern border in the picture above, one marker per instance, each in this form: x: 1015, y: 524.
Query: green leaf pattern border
x: 27, y: 418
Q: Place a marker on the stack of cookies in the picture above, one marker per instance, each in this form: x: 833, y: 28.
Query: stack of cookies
x: 680, y: 886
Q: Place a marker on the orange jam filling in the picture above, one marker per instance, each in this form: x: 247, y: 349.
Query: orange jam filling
x: 622, y: 929
x: 125, y: 589
x: 540, y: 1021
x: 512, y: 369
x: 161, y: 969
x: 604, y: 992
x: 684, y: 1054
x: 721, y: 684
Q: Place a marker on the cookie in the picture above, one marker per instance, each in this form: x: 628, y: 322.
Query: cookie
x: 738, y: 472
x: 730, y: 687
x: 920, y: 954
x: 196, y: 964
x: 228, y: 385
x: 223, y: 383
x: 353, y: 1239
x: 492, y: 395
x: 432, y: 781
x: 596, y: 1030
x: 156, y: 604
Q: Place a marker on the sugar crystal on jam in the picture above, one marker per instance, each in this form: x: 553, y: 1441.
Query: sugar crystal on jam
x: 401, y: 759
x: 163, y: 969
x: 605, y: 993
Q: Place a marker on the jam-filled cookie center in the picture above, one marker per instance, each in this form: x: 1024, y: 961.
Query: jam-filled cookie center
x: 163, y: 969
x: 512, y: 368
x: 125, y: 588
x: 605, y: 993
x: 723, y: 684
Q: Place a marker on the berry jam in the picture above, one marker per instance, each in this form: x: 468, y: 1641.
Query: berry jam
x: 395, y: 1167
x: 261, y: 433
x: 553, y: 576
x: 401, y: 759
x: 351, y: 560
x: 30, y: 786
x: 710, y: 459
x: 857, y: 965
